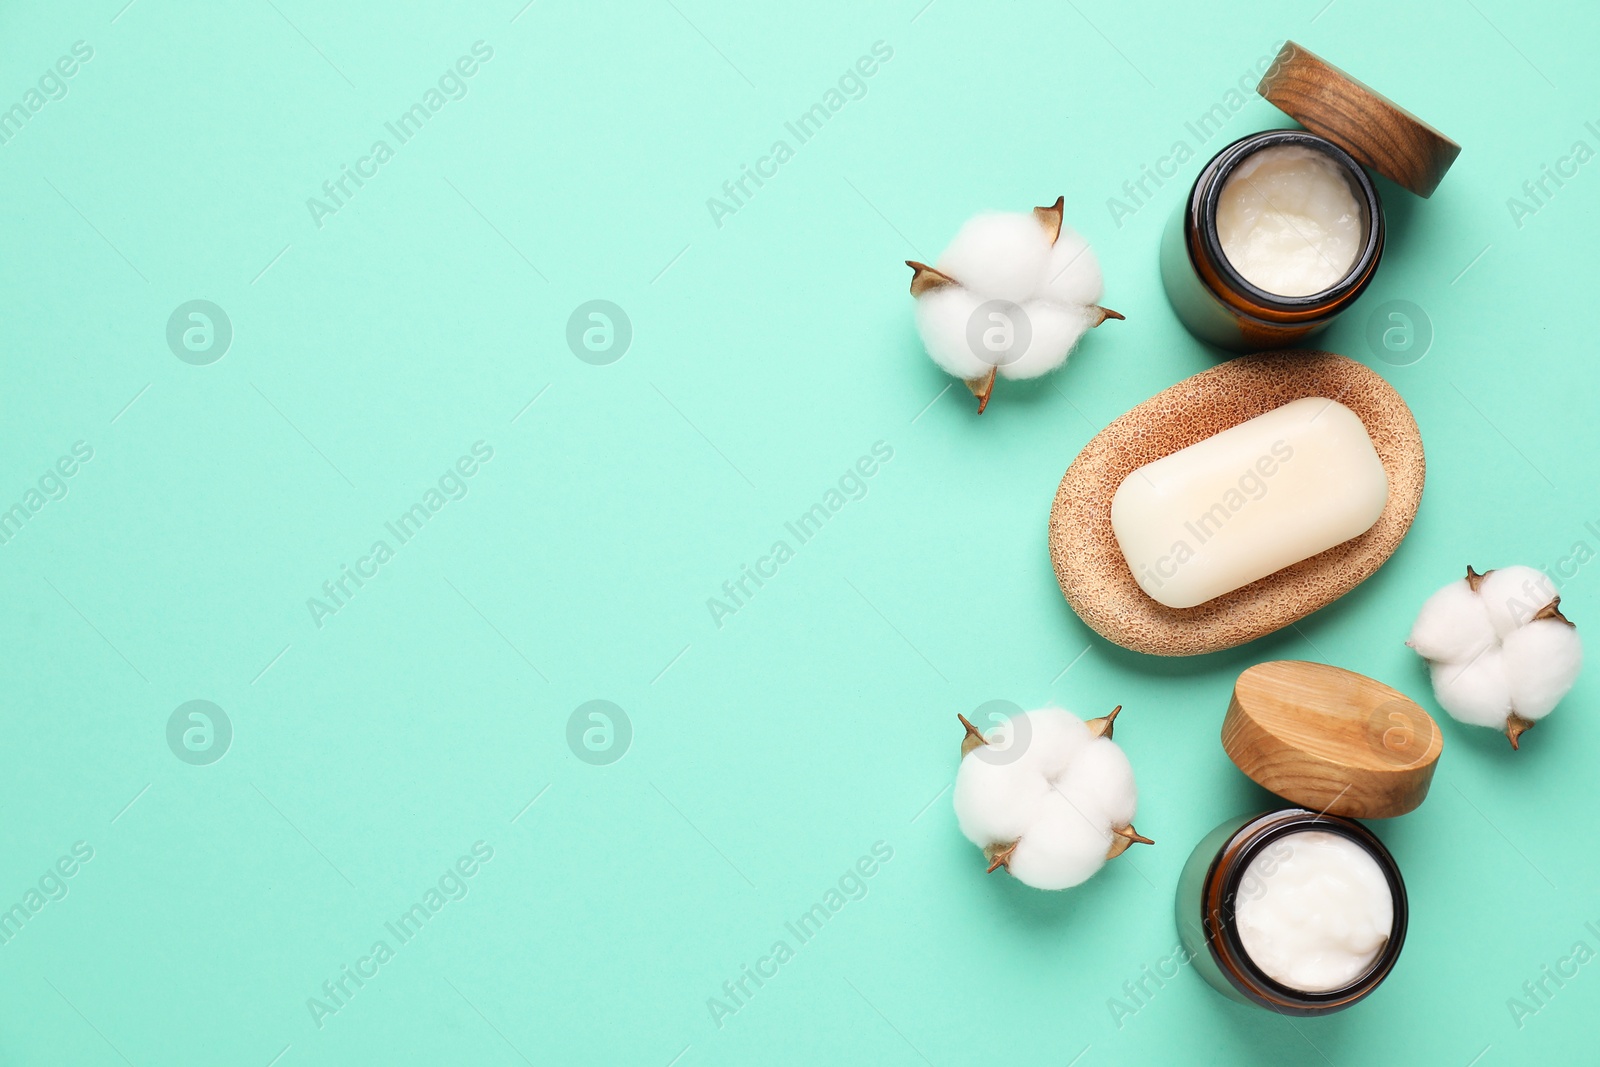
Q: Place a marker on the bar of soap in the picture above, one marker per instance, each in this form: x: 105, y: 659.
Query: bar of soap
x: 1246, y: 502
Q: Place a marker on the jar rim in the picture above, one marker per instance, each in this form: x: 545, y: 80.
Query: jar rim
x: 1206, y: 196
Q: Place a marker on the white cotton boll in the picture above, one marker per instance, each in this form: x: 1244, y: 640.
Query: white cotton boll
x: 942, y: 318
x: 1045, y: 796
x: 999, y: 256
x: 995, y: 803
x: 1513, y: 595
x: 1453, y: 625
x: 1477, y: 692
x: 1528, y: 664
x: 1030, y: 290
x: 1072, y: 274
x: 1542, y: 661
x: 1061, y: 848
x: 1053, y: 330
x: 1101, y: 783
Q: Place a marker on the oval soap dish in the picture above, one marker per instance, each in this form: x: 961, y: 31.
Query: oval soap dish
x: 1090, y: 566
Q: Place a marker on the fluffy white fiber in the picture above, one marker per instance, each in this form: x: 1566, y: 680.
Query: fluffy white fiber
x: 1489, y: 657
x: 1009, y: 257
x: 1045, y: 782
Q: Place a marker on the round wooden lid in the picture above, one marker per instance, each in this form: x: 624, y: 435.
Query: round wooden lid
x: 1331, y: 740
x: 1377, y: 131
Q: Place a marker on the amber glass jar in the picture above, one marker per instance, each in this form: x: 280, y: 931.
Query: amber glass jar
x: 1210, y: 886
x: 1214, y: 300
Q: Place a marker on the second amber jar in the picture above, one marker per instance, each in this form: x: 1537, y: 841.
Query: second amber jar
x: 1217, y: 877
x: 1215, y: 301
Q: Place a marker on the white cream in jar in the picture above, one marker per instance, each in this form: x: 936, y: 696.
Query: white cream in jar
x: 1288, y: 221
x: 1314, y: 911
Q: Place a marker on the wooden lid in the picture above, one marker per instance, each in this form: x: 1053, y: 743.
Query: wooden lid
x: 1331, y: 740
x: 1377, y: 131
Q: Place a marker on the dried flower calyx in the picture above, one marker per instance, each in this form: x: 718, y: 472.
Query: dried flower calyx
x: 1500, y: 652
x: 1010, y: 297
x: 1047, y: 796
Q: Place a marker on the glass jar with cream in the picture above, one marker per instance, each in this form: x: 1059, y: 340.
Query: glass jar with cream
x: 1283, y: 230
x: 1295, y: 911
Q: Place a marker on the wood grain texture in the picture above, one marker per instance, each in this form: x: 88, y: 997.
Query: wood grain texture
x: 1331, y: 740
x: 1089, y: 564
x: 1377, y: 131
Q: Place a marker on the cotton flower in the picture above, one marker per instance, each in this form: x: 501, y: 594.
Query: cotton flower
x: 1010, y: 296
x: 1047, y: 796
x: 1499, y: 650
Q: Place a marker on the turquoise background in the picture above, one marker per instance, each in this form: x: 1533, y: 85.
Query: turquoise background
x: 769, y: 353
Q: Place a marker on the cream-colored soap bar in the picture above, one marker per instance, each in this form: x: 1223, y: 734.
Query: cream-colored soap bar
x: 1248, y: 501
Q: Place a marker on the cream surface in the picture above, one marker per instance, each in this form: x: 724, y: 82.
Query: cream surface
x: 1288, y: 221
x: 1248, y: 501
x: 1314, y: 911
